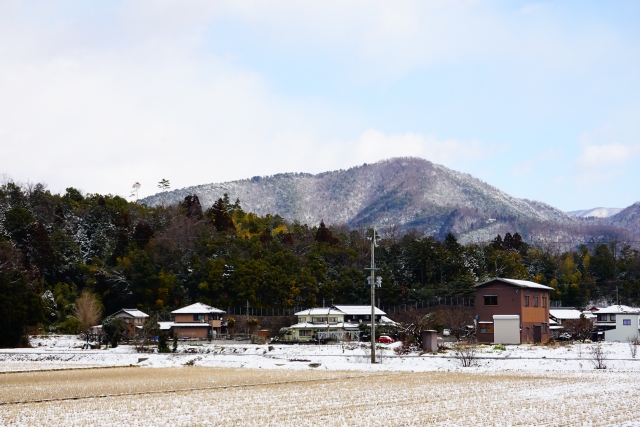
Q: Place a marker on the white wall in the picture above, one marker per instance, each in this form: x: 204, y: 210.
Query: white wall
x: 506, y: 329
x: 622, y: 332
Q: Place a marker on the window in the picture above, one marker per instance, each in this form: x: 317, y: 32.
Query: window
x: 333, y: 320
x: 303, y: 333
x: 213, y: 317
x: 526, y: 300
x: 602, y: 317
x: 626, y: 322
x: 198, y: 317
x: 490, y: 299
x: 612, y: 317
x: 535, y: 301
x: 544, y: 328
x: 126, y: 320
x: 544, y: 302
x: 486, y: 328
x: 319, y: 320
x: 302, y: 319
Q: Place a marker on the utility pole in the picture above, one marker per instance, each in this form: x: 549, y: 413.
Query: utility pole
x: 373, y: 268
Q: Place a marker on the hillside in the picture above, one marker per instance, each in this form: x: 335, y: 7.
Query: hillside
x: 407, y: 192
x: 595, y: 212
x: 628, y: 219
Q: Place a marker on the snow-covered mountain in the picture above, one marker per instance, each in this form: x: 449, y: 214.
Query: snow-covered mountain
x: 408, y: 192
x: 628, y: 219
x: 595, y: 212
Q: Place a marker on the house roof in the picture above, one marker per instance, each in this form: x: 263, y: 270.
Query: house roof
x: 324, y: 326
x: 358, y: 309
x: 565, y: 314
x: 133, y: 312
x: 351, y: 310
x: 516, y: 282
x: 197, y: 308
x: 618, y: 309
x: 165, y: 326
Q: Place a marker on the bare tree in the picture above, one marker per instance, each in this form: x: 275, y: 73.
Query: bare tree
x: 465, y: 353
x: 633, y: 346
x: 88, y: 310
x: 598, y: 356
x: 456, y: 318
x: 579, y: 329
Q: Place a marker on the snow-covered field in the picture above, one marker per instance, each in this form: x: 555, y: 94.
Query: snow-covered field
x: 62, y: 352
x: 243, y: 384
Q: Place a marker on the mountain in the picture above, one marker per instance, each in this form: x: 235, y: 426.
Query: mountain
x: 595, y: 212
x: 628, y: 219
x: 406, y: 192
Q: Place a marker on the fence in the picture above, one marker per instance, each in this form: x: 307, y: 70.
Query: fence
x: 451, y: 301
x: 265, y: 312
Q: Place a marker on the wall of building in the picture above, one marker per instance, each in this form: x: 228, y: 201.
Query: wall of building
x: 623, y: 332
x: 511, y: 302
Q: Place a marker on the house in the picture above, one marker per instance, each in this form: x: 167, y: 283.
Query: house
x: 133, y: 318
x: 618, y: 322
x: 511, y: 311
x: 335, y: 322
x: 195, y: 321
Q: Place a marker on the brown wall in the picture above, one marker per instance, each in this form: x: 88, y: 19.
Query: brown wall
x: 191, y: 332
x: 511, y: 301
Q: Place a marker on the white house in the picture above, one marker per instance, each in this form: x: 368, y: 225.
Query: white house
x: 619, y: 322
x: 336, y: 322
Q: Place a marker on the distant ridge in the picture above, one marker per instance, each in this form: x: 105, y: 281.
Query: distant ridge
x: 407, y: 192
x: 595, y: 212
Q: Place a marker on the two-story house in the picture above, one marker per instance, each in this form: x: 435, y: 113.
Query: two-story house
x: 133, y: 318
x: 335, y: 322
x: 511, y: 311
x: 618, y: 322
x: 197, y: 321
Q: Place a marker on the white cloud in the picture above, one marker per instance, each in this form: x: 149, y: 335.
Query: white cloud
x: 605, y: 153
x: 374, y: 145
x: 528, y: 167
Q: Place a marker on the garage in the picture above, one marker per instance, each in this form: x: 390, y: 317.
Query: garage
x: 506, y: 329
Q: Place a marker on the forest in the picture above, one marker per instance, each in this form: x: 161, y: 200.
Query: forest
x: 56, y: 247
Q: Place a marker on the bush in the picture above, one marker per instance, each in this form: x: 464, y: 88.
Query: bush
x: 163, y: 342
x: 71, y: 325
x: 465, y: 353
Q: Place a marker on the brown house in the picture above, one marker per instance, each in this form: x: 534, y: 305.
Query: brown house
x: 512, y: 311
x: 133, y: 318
x: 197, y: 321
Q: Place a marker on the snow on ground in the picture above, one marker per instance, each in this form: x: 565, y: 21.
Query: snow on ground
x: 56, y: 352
x: 521, y: 385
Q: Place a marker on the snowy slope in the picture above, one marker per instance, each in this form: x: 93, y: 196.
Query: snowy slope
x: 595, y: 212
x: 404, y: 191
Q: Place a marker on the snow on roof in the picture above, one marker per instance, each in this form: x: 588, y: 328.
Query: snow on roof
x: 133, y: 312
x: 324, y: 326
x: 385, y: 319
x: 564, y: 314
x: 619, y: 309
x: 165, y: 326
x: 358, y: 309
x: 519, y: 283
x: 197, y: 308
x: 319, y: 311
x: 191, y: 324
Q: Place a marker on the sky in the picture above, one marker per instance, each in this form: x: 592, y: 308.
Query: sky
x: 541, y: 100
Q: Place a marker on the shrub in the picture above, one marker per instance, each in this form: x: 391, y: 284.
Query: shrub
x: 465, y: 353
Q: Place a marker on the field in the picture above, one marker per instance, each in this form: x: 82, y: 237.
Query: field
x: 189, y: 396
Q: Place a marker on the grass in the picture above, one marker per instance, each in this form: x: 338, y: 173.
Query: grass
x: 312, y: 397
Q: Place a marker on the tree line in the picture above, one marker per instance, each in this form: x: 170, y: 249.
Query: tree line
x: 54, y: 248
